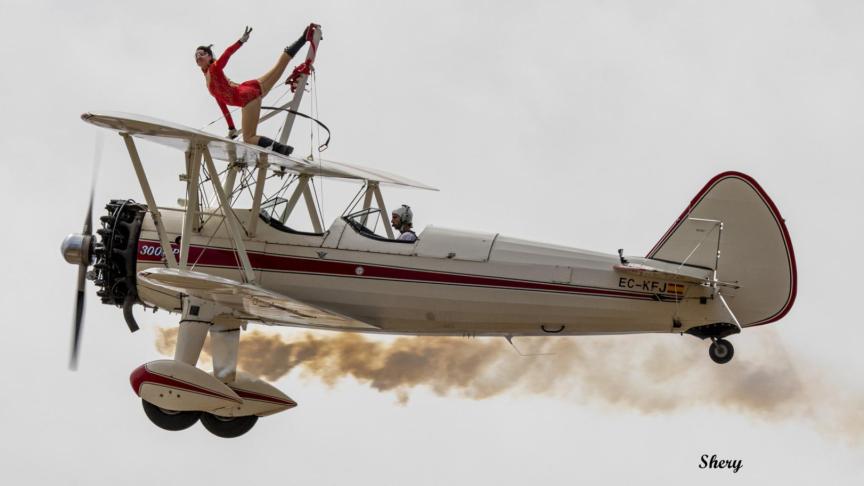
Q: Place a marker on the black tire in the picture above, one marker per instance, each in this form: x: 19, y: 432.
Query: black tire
x: 169, y: 419
x: 721, y: 351
x: 228, y: 427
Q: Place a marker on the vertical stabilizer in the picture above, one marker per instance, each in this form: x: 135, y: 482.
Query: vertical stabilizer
x: 734, y: 227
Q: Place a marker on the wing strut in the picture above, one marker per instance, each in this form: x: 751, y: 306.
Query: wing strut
x: 230, y: 220
x: 379, y: 199
x: 167, y: 252
x: 374, y: 190
x: 303, y: 189
x: 252, y: 224
x: 313, y: 211
x: 190, y: 216
x: 231, y: 175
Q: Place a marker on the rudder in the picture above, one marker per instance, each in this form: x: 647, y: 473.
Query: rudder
x: 755, y: 250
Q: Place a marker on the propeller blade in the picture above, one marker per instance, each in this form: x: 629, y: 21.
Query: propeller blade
x: 79, y: 317
x: 88, y: 220
x: 78, y: 323
x: 97, y: 159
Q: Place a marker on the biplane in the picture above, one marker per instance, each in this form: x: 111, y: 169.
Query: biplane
x: 725, y: 264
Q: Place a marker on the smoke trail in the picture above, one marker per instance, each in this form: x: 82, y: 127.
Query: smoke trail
x: 652, y: 374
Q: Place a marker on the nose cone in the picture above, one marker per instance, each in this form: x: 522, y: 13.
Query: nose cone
x: 76, y: 249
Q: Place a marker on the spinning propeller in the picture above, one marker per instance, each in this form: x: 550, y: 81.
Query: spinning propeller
x: 78, y: 249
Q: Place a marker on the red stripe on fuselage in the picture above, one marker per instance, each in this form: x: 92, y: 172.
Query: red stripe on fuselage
x: 221, y: 257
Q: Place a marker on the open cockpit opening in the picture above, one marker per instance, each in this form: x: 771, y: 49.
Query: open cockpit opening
x: 367, y: 222
x: 275, y: 212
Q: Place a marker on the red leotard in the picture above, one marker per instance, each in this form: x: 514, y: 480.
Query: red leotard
x: 227, y: 92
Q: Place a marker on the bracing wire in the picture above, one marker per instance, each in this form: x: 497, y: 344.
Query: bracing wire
x: 321, y: 147
x: 318, y: 203
x: 354, y: 200
x: 316, y: 111
x: 280, y: 193
x: 314, y: 137
x: 232, y: 112
x: 284, y: 92
x: 220, y: 118
x: 204, y: 202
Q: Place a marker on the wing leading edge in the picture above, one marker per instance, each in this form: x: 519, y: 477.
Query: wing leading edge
x: 182, y: 138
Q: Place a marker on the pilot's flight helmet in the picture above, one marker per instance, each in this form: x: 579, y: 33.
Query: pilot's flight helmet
x: 405, y: 214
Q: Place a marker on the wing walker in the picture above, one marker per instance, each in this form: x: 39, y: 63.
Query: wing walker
x: 226, y: 257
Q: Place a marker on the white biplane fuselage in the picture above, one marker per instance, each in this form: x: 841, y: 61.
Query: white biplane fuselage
x: 448, y: 282
x: 725, y: 264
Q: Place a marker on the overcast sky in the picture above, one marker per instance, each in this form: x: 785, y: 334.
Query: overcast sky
x: 589, y: 124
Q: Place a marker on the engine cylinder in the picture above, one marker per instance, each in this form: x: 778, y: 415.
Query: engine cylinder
x: 116, y: 251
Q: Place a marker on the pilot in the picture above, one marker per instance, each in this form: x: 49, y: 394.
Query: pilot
x: 247, y: 94
x: 402, y: 219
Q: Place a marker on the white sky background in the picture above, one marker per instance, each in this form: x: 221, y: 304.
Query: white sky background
x: 588, y: 124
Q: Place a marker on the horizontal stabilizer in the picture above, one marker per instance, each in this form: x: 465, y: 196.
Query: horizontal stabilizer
x: 647, y: 271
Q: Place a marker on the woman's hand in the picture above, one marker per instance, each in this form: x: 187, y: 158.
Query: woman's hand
x: 245, y: 36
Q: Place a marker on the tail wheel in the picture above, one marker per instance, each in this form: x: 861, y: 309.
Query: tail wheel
x: 721, y: 351
x: 228, y: 427
x: 170, y: 419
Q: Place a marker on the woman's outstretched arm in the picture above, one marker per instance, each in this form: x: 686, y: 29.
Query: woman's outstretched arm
x: 223, y: 59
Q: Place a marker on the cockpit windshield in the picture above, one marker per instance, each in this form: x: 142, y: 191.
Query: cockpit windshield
x: 275, y: 208
x: 371, y: 222
x: 275, y: 212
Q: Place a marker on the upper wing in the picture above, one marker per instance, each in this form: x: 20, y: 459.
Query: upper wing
x: 249, y: 302
x: 182, y: 138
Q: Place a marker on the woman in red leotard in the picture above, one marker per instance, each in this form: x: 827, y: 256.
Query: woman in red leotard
x: 247, y: 94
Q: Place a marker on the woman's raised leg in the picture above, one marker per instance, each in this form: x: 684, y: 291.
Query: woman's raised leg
x: 269, y: 79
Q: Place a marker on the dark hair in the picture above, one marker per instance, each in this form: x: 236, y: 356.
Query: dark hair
x: 206, y: 49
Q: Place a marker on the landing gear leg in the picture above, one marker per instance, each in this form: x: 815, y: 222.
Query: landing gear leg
x: 225, y: 346
x: 721, y: 351
x: 197, y: 319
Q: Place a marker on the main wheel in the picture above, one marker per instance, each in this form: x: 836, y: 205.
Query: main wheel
x: 169, y: 419
x: 228, y: 427
x: 721, y: 351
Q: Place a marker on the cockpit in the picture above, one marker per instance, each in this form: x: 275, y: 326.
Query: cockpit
x: 275, y: 212
x: 367, y: 230
x: 369, y: 223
